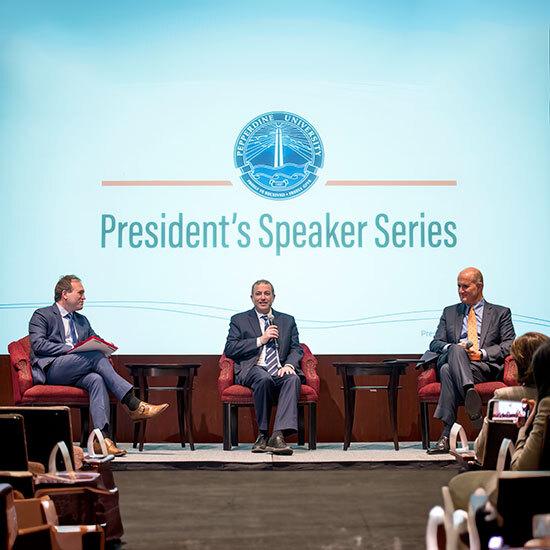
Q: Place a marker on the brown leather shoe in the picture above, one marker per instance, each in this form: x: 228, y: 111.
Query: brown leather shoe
x: 146, y: 411
x: 112, y: 449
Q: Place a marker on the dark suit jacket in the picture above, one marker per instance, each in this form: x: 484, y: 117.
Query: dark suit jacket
x: 244, y: 329
x: 497, y: 333
x: 47, y: 336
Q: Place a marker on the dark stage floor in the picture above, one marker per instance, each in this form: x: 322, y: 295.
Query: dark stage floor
x: 328, y: 510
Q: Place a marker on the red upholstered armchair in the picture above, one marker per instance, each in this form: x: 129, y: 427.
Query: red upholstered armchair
x: 26, y: 393
x: 234, y: 396
x: 429, y: 389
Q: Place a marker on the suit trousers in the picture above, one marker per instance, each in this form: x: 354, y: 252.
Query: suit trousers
x: 458, y: 372
x: 92, y: 372
x: 268, y: 390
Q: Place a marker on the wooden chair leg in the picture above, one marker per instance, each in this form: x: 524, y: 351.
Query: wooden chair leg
x: 234, y: 425
x: 301, y: 435
x: 113, y: 421
x: 312, y: 428
x: 137, y: 426
x: 425, y: 425
x: 226, y: 410
x: 84, y: 425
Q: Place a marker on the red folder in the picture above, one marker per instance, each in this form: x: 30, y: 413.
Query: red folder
x: 94, y: 343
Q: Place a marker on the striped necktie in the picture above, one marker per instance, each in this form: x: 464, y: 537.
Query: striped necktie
x: 271, y: 355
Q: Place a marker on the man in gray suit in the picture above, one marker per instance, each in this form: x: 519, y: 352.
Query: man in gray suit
x: 471, y: 341
x: 53, y: 332
x: 266, y: 349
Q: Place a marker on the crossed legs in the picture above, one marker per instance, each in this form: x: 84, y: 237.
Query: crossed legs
x: 92, y: 372
x: 457, y: 376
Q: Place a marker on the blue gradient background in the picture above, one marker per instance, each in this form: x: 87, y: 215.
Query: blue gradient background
x: 396, y: 90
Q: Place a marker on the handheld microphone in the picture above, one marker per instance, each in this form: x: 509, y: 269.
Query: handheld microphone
x: 270, y: 318
x: 469, y: 344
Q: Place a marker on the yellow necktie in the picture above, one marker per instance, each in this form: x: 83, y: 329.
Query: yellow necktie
x: 472, y: 329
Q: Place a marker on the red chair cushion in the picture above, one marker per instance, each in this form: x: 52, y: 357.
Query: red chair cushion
x: 425, y: 378
x: 430, y: 392
x: 56, y: 394
x: 21, y: 374
x: 241, y: 395
x: 510, y: 375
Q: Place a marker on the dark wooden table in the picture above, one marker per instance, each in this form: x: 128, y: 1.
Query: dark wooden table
x: 393, y: 368
x: 185, y: 372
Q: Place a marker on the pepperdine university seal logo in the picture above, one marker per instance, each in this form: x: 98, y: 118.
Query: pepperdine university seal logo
x: 278, y: 154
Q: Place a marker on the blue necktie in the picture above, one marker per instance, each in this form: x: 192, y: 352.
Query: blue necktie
x: 72, y: 328
x: 271, y: 355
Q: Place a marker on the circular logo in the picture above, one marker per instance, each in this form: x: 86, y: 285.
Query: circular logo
x: 278, y: 154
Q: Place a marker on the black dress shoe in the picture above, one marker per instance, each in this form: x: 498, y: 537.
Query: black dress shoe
x: 260, y: 445
x: 472, y: 403
x: 277, y: 445
x: 441, y: 447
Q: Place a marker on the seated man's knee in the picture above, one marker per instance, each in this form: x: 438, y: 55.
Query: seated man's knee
x: 292, y: 380
x: 456, y: 351
x: 263, y: 382
x: 444, y: 371
x: 94, y: 357
x: 94, y: 381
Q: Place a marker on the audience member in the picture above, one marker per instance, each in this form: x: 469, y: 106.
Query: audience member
x: 522, y: 351
x: 529, y: 445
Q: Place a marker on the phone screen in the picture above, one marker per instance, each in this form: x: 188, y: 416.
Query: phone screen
x: 507, y: 411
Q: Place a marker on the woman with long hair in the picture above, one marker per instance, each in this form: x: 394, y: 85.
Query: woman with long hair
x: 529, y: 445
x: 522, y: 351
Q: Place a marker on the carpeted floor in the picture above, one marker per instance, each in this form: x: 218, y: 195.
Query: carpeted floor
x: 326, y: 510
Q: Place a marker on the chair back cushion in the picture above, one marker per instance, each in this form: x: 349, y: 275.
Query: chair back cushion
x: 21, y: 373
x: 428, y: 387
x: 227, y: 374
x: 425, y: 378
x: 510, y: 371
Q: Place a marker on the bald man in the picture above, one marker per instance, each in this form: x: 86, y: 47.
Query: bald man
x: 472, y: 340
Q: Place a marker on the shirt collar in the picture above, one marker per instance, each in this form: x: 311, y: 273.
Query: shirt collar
x: 479, y: 305
x: 62, y: 310
x: 260, y: 315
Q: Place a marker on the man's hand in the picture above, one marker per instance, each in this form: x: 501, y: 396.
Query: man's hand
x: 285, y: 370
x: 270, y: 332
x: 474, y: 355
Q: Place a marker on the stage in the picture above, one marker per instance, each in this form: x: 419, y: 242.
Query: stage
x: 326, y: 456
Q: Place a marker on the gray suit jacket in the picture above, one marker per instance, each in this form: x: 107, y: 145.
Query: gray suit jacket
x: 244, y: 329
x: 47, y: 336
x: 497, y: 333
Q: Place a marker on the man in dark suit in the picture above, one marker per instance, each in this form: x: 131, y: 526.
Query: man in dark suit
x: 471, y: 342
x: 266, y: 349
x: 53, y: 332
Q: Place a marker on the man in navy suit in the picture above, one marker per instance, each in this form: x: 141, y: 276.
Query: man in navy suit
x: 266, y: 349
x: 471, y: 342
x: 53, y: 332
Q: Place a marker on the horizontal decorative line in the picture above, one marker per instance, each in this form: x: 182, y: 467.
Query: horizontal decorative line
x: 392, y: 183
x: 166, y: 183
